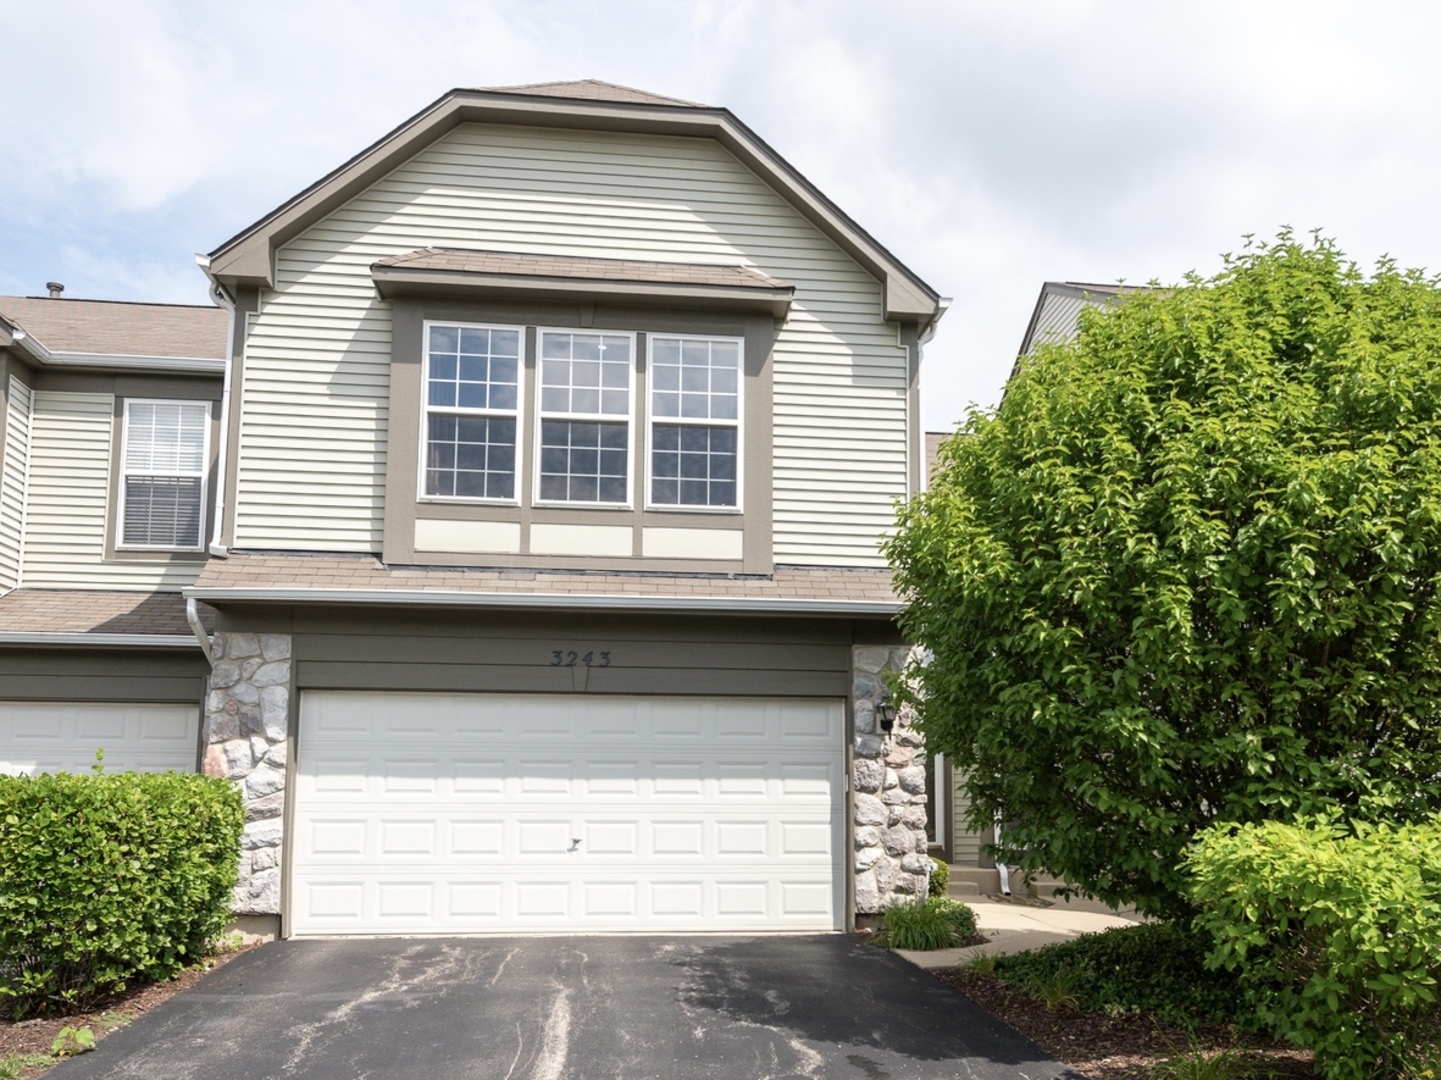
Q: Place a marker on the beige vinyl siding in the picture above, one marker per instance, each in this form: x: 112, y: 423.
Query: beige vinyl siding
x: 312, y: 445
x: 965, y: 845
x: 65, y: 521
x: 1059, y: 319
x: 12, y: 482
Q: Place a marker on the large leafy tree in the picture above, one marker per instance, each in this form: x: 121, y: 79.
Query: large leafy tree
x: 1187, y: 572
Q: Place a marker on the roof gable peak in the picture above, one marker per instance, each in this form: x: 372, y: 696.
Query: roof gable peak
x: 591, y: 90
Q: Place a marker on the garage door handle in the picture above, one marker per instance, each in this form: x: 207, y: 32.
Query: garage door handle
x: 574, y: 845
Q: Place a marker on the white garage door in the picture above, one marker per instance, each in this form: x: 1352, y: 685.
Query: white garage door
x: 471, y: 813
x: 37, y: 737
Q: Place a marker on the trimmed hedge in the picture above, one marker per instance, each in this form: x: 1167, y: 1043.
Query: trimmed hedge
x: 109, y: 880
x: 940, y: 877
x: 1336, y: 931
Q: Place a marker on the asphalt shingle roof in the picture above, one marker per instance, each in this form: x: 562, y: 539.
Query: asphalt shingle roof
x: 118, y: 328
x: 468, y: 261
x: 91, y: 611
x: 592, y: 90
x: 368, y: 573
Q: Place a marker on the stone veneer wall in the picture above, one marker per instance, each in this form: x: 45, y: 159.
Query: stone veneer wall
x: 246, y: 740
x: 888, y: 780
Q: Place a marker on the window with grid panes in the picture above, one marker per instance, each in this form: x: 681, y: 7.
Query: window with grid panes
x: 585, y: 382
x: 472, y: 423
x: 694, y: 421
x: 163, y: 462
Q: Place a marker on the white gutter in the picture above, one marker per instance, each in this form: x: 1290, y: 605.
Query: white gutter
x: 192, y: 616
x: 189, y: 364
x: 164, y: 641
x: 49, y: 358
x: 942, y: 306
x: 222, y: 453
x: 412, y: 597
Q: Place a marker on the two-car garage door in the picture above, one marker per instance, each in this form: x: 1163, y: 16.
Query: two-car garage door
x: 463, y: 813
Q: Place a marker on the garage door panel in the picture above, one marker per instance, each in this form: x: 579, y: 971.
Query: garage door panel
x: 38, y: 737
x: 658, y: 813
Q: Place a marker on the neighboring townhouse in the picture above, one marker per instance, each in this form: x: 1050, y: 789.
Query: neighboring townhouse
x: 561, y: 428
x: 110, y: 415
x: 1054, y: 320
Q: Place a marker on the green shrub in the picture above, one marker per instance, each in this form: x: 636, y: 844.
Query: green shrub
x: 1154, y: 967
x: 108, y: 880
x: 940, y: 876
x: 927, y: 923
x: 1336, y: 931
x: 1189, y: 570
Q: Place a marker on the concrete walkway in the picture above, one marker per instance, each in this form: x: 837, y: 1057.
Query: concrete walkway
x: 1014, y: 927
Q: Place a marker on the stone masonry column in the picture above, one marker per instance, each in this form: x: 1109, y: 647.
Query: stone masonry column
x: 889, y: 790
x: 246, y: 740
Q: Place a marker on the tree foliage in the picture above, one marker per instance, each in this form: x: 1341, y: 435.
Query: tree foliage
x: 1187, y: 572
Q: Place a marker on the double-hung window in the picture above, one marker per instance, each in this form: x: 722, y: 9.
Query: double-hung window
x: 695, y: 419
x: 585, y: 392
x: 472, y: 413
x: 163, y: 460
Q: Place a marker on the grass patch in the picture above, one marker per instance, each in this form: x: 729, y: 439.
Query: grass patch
x: 1154, y: 967
x: 14, y: 1066
x: 925, y: 924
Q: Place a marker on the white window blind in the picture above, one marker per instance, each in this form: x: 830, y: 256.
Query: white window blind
x: 164, y: 454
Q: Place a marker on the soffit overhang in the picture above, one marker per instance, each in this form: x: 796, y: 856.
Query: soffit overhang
x: 247, y: 259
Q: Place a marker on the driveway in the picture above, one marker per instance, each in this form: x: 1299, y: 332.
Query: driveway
x: 548, y: 1008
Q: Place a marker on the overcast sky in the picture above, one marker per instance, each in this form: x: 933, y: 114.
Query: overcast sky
x: 991, y: 146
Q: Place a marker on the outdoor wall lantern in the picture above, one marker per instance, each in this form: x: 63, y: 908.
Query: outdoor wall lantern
x: 885, y: 712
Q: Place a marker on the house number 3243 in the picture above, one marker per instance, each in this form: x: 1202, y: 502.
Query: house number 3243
x: 571, y: 658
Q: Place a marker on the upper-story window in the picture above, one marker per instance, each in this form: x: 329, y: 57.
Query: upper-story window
x: 585, y: 421
x: 472, y: 412
x: 695, y: 422
x: 164, y: 449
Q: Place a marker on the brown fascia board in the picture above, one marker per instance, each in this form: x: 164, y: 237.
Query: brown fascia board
x: 247, y: 258
x: 393, y: 281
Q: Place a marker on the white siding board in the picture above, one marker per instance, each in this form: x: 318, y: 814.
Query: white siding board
x: 68, y: 499
x: 13, y: 473
x: 1059, y: 319
x: 318, y: 357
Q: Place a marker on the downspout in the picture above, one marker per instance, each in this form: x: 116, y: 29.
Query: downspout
x: 222, y: 454
x: 192, y: 616
x: 1000, y: 863
x: 943, y: 304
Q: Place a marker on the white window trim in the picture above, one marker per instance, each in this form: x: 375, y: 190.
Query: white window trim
x: 204, y: 474
x: 426, y: 409
x: 631, y: 420
x: 739, y: 423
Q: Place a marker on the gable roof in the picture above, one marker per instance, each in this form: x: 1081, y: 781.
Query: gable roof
x: 247, y: 257
x: 592, y: 90
x: 117, y: 333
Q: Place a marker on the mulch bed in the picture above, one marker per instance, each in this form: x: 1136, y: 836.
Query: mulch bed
x: 1121, y: 1048
x: 38, y: 1035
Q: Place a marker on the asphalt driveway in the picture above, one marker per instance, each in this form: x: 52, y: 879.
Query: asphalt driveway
x: 677, y: 1008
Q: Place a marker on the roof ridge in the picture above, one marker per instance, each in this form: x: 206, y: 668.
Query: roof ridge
x: 130, y: 303
x: 550, y: 89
